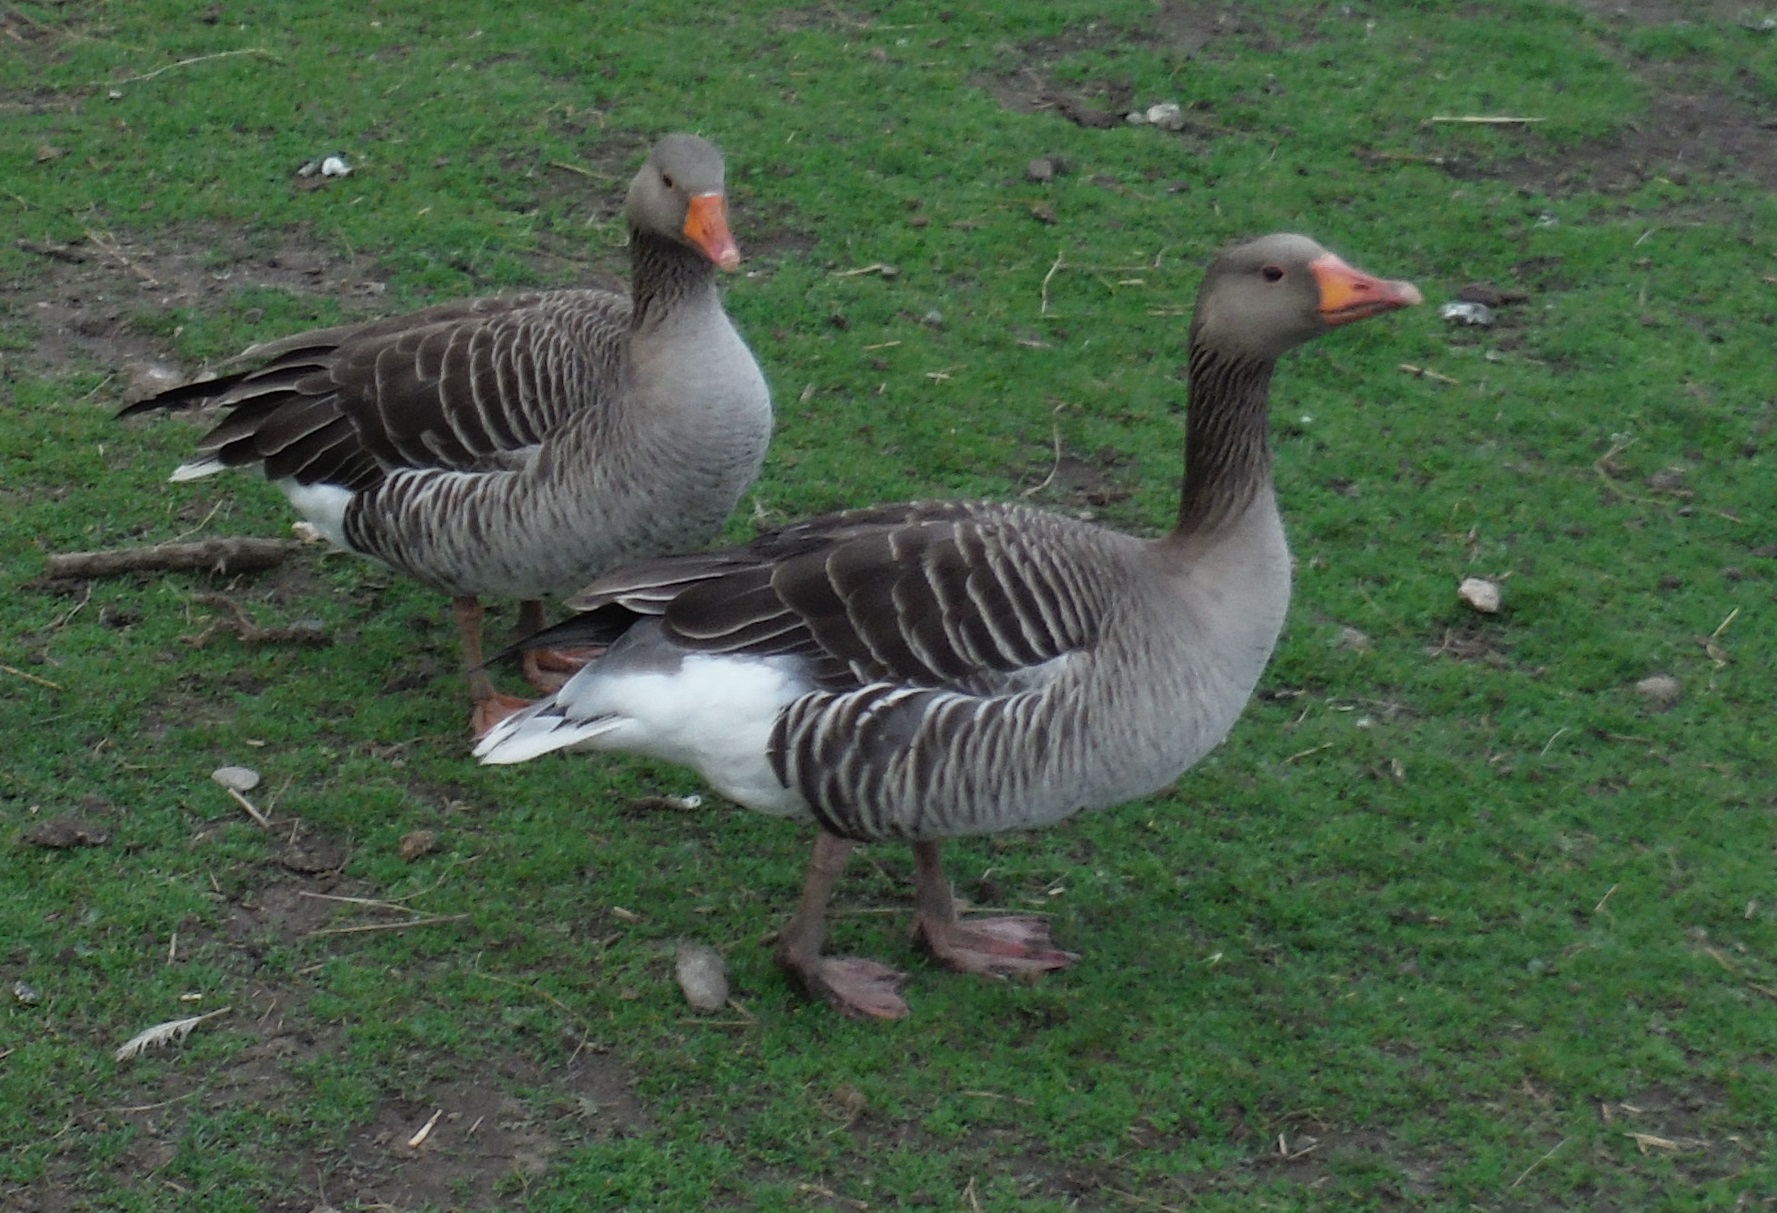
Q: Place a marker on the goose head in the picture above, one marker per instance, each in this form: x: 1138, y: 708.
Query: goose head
x: 1263, y: 298
x: 679, y: 196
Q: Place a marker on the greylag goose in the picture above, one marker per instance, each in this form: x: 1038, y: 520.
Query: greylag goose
x: 518, y: 446
x: 939, y: 669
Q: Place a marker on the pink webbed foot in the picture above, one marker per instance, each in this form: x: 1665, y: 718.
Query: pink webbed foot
x: 490, y: 709
x: 549, y: 669
x: 1012, y: 946
x: 857, y: 988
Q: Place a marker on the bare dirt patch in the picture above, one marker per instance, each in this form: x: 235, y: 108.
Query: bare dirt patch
x: 1667, y: 12
x: 467, y: 1136
x: 1694, y: 132
x: 85, y: 301
x: 492, y: 1128
x: 1692, y: 128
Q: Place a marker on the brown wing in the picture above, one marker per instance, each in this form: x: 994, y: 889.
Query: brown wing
x: 463, y: 386
x: 958, y: 595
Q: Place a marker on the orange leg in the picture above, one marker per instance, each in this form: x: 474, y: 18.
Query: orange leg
x: 487, y: 705
x: 548, y: 669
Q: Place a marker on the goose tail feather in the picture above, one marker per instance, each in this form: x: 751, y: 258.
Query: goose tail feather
x: 540, y: 729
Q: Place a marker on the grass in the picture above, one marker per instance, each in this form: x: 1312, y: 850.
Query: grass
x: 1454, y: 921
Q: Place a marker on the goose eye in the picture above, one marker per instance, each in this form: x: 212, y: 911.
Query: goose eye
x: 666, y: 179
x: 1273, y: 273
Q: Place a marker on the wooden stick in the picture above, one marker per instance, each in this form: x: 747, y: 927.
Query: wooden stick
x: 261, y: 819
x: 247, y: 632
x: 387, y: 926
x: 231, y: 555
x: 1483, y: 119
x: 1422, y: 372
x: 42, y: 682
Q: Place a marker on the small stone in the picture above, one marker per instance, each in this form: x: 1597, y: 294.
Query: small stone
x: 417, y: 843
x: 237, y: 779
x: 1167, y: 115
x: 1660, y: 691
x: 335, y: 166
x: 1045, y: 169
x: 310, y: 854
x: 1480, y: 594
x: 1471, y: 315
x: 703, y: 976
x: 26, y: 993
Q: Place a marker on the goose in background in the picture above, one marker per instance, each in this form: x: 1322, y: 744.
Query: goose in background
x: 935, y: 670
x: 517, y: 446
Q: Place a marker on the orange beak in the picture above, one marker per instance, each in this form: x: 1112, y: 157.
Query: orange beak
x: 1347, y: 294
x: 706, y: 226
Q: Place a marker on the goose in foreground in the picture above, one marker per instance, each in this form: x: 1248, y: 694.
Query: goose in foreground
x: 938, y: 669
x: 518, y: 446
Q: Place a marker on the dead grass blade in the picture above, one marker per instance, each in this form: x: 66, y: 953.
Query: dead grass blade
x: 386, y: 926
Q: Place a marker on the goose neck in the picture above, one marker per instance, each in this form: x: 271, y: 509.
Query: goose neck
x: 664, y: 277
x: 1227, y: 439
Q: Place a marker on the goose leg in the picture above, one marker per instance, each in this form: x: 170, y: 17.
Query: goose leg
x: 548, y: 669
x: 994, y: 947
x: 487, y: 706
x: 860, y: 988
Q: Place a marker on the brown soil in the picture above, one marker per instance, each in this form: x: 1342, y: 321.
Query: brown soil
x: 1693, y: 130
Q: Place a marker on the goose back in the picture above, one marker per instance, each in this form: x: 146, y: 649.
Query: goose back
x: 943, y: 669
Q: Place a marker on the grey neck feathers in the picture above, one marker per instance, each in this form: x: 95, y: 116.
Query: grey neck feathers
x: 1227, y: 439
x: 664, y: 274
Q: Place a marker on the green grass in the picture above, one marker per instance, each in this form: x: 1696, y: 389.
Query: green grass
x: 1446, y: 923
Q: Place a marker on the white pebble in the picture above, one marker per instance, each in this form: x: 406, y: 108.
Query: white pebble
x: 240, y: 779
x: 1479, y: 593
x: 703, y: 976
x: 1660, y: 690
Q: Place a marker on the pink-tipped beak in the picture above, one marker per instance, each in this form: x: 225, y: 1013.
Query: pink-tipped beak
x: 1348, y: 294
x: 706, y: 226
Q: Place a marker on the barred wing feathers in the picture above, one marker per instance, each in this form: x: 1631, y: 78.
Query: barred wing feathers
x: 474, y: 385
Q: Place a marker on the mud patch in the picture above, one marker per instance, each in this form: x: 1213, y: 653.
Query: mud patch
x: 86, y: 302
x: 1685, y: 135
x: 1088, y: 482
x: 1667, y: 12
x: 1190, y: 29
x: 485, y: 1141
x: 466, y: 1137
x: 1692, y: 128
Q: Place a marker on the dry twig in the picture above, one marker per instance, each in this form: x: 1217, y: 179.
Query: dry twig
x: 386, y: 926
x: 242, y: 627
x: 1485, y: 119
x: 137, y: 79
x: 1422, y: 372
x: 235, y: 554
x: 42, y: 682
x: 259, y: 818
x: 1539, y: 1162
x: 425, y: 1131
